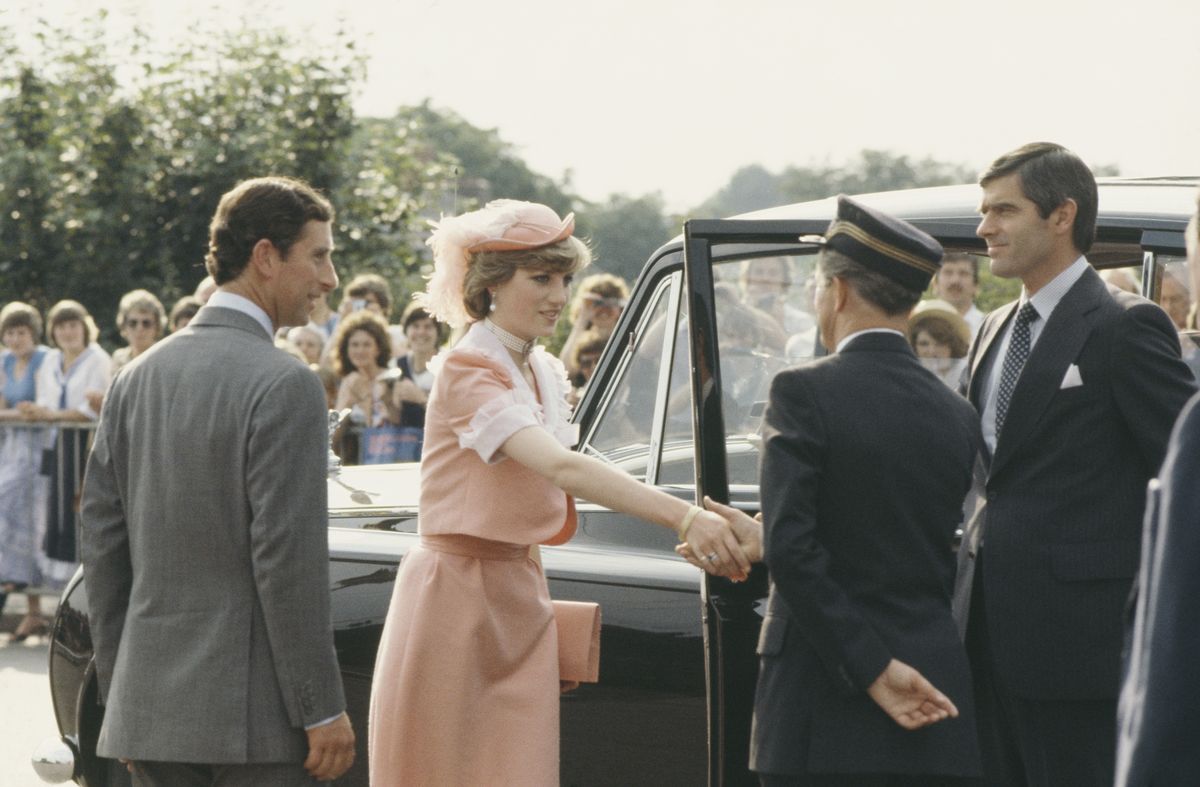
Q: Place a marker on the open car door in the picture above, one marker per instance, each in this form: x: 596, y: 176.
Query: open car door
x: 750, y: 304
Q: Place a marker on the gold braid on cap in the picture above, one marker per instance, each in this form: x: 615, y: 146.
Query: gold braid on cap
x: 883, y: 247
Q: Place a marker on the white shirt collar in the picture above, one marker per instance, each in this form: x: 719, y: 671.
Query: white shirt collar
x: 1047, y: 298
x: 841, y: 345
x: 228, y: 300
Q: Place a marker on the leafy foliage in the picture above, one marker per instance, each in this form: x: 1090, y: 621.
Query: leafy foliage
x: 109, y: 183
x: 115, y: 150
x: 753, y: 187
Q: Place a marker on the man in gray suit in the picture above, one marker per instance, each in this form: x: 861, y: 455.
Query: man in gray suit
x: 204, y: 537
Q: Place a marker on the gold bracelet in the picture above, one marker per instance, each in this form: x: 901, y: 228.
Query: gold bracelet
x: 688, y: 519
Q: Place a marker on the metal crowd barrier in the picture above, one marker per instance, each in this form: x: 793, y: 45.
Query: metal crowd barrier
x: 59, y: 451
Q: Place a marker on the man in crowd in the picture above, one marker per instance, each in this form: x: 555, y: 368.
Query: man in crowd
x: 1077, y: 387
x: 1160, y: 701
x: 863, y: 677
x: 957, y: 282
x: 204, y: 524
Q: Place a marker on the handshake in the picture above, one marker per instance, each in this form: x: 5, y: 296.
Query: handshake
x: 721, y: 540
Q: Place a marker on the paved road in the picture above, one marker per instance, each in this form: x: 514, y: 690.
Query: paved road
x: 25, y: 714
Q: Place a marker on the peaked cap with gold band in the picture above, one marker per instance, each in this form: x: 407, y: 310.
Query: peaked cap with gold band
x: 884, y: 244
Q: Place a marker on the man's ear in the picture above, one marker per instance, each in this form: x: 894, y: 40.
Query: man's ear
x: 263, y: 257
x: 1063, y: 217
x: 841, y: 293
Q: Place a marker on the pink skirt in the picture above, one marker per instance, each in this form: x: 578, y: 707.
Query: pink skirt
x: 465, y: 690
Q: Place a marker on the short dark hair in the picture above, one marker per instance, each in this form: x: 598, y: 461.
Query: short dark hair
x: 941, y: 330
x: 187, y: 306
x: 21, y: 315
x: 962, y: 256
x: 361, y: 321
x: 1050, y: 175
x: 415, y: 311
x: 591, y: 342
x: 272, y: 208
x: 887, y: 294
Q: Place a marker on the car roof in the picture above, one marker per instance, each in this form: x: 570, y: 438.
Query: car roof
x: 1119, y: 197
x: 1165, y: 202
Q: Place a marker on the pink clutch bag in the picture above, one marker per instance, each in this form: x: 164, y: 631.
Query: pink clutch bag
x: 578, y: 640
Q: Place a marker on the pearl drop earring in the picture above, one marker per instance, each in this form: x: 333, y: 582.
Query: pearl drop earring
x: 492, y: 308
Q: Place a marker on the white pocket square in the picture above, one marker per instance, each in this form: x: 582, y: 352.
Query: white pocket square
x: 1071, y: 379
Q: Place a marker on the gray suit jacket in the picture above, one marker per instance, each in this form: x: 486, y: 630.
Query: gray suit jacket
x: 206, y: 552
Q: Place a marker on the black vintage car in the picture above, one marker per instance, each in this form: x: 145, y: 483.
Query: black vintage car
x: 677, y: 400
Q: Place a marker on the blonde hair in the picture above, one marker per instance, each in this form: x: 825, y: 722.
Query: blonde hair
x: 490, y: 268
x: 605, y: 285
x: 141, y: 300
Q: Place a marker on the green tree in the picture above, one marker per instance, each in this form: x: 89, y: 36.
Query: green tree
x: 485, y: 167
x: 753, y: 187
x: 108, y: 184
x: 624, y: 231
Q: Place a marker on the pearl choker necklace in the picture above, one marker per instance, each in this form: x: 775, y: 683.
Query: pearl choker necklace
x: 509, y: 340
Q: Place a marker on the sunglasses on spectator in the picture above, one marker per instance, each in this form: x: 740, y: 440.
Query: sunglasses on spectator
x: 145, y: 322
x: 611, y: 303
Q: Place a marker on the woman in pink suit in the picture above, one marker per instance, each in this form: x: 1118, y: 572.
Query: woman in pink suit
x: 466, y: 681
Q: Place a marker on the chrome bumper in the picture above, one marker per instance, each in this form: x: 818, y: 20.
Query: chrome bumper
x: 55, y: 759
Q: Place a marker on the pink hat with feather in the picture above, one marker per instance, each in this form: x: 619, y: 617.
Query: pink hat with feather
x: 501, y: 225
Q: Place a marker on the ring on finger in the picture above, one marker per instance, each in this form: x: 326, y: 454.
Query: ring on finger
x: 712, y: 557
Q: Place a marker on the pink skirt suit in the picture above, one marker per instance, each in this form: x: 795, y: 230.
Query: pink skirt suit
x: 466, y: 680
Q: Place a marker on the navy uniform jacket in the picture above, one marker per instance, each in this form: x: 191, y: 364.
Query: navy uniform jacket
x: 1065, y: 491
x: 866, y: 459
x: 1160, y: 702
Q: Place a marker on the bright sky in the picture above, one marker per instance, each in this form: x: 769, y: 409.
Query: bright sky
x: 673, y: 96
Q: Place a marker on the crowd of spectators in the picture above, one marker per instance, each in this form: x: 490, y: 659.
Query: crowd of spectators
x: 54, y: 374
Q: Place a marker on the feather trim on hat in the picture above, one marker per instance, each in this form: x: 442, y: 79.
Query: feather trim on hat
x: 451, y: 238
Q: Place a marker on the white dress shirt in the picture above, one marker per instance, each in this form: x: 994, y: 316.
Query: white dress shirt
x: 1044, y: 301
x: 856, y: 334
x: 229, y: 300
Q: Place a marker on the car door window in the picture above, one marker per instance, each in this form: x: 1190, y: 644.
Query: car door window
x: 765, y: 322
x: 1173, y: 294
x: 624, y: 431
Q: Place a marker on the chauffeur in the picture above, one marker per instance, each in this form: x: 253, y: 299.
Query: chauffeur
x: 866, y: 459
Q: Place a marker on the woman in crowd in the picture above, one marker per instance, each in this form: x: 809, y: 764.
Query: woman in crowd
x: 411, y: 392
x: 941, y: 339
x: 309, y: 342
x: 73, y: 376
x: 466, y: 681
x: 22, y: 490
x: 140, y: 317
x: 598, y: 303
x: 363, y: 351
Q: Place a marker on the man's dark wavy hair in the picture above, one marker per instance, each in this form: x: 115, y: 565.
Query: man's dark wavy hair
x: 1050, y: 175
x: 275, y: 208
